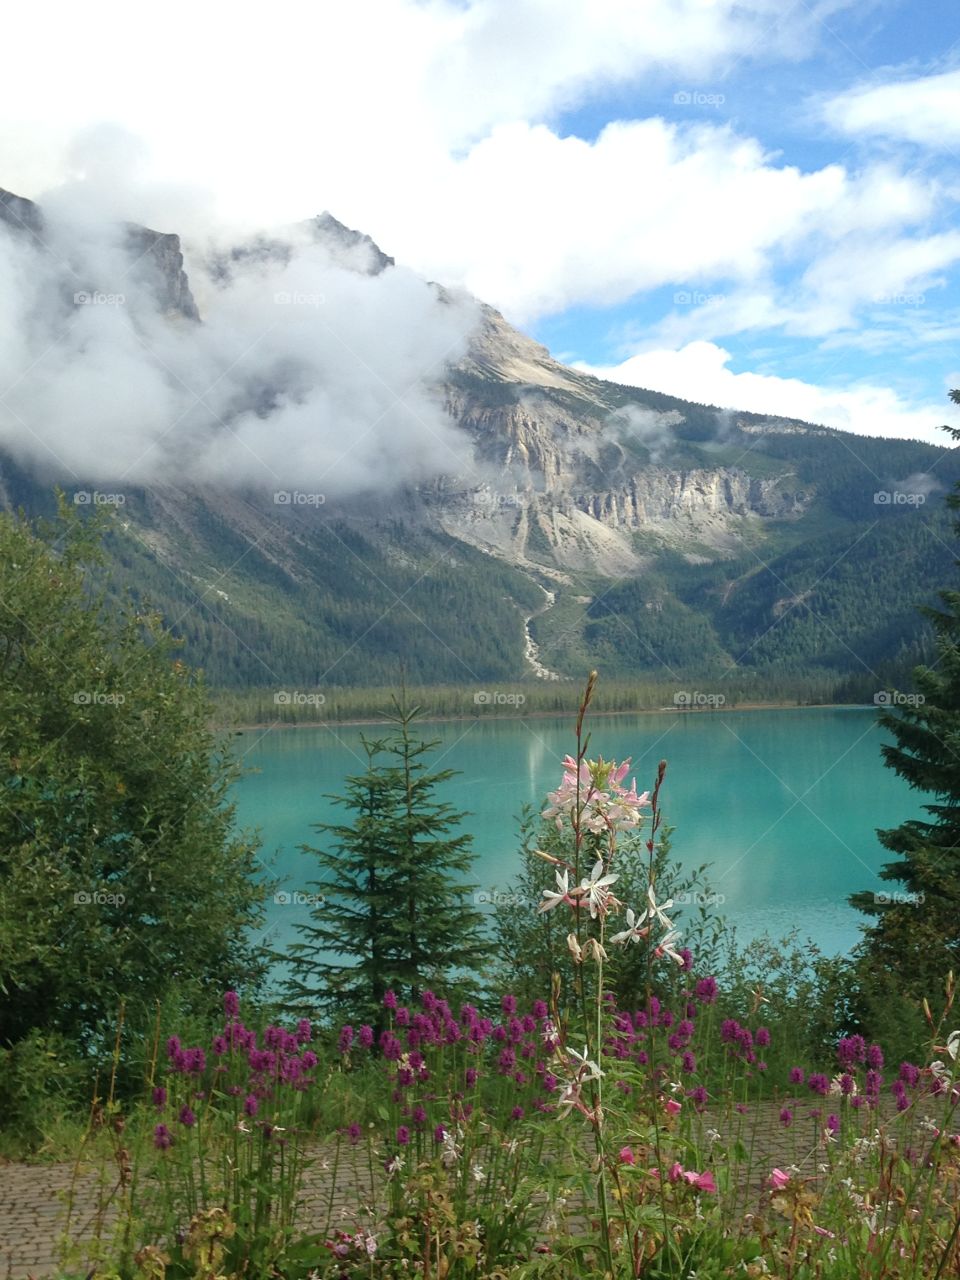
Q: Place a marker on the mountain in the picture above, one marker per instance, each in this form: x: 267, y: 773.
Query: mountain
x: 586, y: 524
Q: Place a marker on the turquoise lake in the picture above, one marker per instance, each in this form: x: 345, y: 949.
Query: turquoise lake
x: 783, y: 804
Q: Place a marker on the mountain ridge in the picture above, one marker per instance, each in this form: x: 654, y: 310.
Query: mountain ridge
x: 575, y: 484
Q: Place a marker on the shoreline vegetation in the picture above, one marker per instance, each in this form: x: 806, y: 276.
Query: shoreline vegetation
x: 248, y: 710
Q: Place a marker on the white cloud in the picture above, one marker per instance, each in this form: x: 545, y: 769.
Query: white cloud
x: 925, y: 110
x: 699, y: 372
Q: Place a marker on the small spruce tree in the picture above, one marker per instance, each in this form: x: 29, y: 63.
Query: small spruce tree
x: 394, y: 909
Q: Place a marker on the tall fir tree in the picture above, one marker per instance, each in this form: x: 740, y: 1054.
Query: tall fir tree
x: 915, y: 940
x: 394, y: 910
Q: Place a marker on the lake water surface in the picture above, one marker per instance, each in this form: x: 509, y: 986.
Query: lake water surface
x: 783, y: 804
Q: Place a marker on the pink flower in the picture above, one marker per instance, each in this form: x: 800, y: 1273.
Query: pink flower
x: 702, y: 1181
x: 626, y: 1155
x: 778, y: 1180
x: 676, y: 1171
x: 672, y: 1107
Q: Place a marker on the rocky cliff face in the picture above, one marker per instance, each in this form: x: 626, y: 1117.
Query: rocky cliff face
x: 156, y: 260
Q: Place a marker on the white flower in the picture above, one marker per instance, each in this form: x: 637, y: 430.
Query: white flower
x: 586, y: 1070
x: 595, y: 886
x: 395, y: 1165
x: 953, y: 1044
x: 551, y: 899
x: 655, y: 912
x: 476, y: 1172
x: 665, y: 946
x: 633, y: 932
x: 574, y: 946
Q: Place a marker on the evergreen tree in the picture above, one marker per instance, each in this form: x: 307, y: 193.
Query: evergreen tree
x: 915, y: 939
x: 393, y: 908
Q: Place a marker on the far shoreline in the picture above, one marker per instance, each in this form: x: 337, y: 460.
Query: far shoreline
x: 359, y: 722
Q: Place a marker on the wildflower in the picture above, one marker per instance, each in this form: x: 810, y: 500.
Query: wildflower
x: 218, y: 1046
x: 633, y: 932
x: 403, y: 1136
x: 395, y: 1165
x: 702, y: 1181
x: 251, y: 1105
x: 389, y: 1000
x: 786, y: 1117
x: 305, y: 1031
x: 706, y: 990
x: 689, y: 1061
x: 574, y: 947
x: 540, y: 1009
x: 833, y: 1123
x: 953, y: 1044
x: 698, y: 1097
x: 909, y: 1074
x: 778, y: 1180
x: 551, y: 899
x: 586, y: 1070
x: 309, y: 1060
x: 655, y: 912
x: 592, y: 948
x: 762, y: 1038
x: 346, y: 1039
x: 665, y: 947
x: 796, y: 1075
x: 173, y: 1046
x: 162, y: 1137
x: 626, y: 1156
x: 159, y: 1096
x: 672, y: 1107
x: 875, y: 1057
x: 818, y: 1083
x: 231, y: 1004
x: 509, y: 1004
x: 516, y: 1113
x: 353, y: 1133
x: 476, y: 1172
x: 596, y: 888
x: 186, y: 1117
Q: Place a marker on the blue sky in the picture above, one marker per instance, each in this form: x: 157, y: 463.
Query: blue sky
x: 747, y: 202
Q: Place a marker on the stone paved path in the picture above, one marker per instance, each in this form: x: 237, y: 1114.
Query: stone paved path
x: 33, y: 1197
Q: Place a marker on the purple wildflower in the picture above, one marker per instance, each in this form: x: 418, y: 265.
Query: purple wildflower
x: 250, y: 1105
x: 159, y: 1096
x: 706, y: 990
x: 162, y: 1137
x: 762, y: 1038
x: 353, y: 1133
x: 186, y: 1117
x: 346, y: 1038
x: 796, y: 1075
x: 390, y: 1001
x: 786, y: 1117
x: 403, y: 1136
x: 819, y: 1083
x: 231, y: 1004
x: 365, y: 1036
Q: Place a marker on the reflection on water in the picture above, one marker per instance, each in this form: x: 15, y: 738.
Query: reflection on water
x: 783, y: 804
